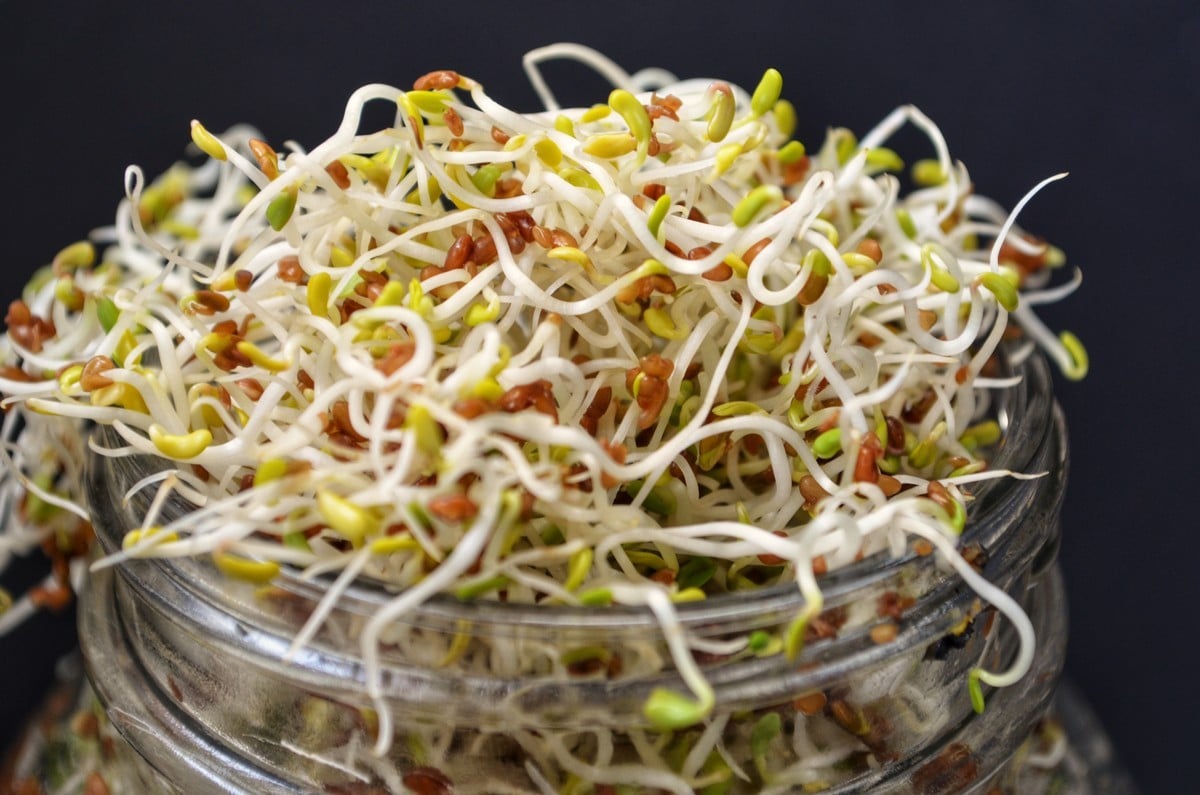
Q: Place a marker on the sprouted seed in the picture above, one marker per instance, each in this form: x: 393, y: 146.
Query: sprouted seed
x: 678, y: 351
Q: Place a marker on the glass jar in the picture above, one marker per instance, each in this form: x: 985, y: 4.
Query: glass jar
x: 196, y: 677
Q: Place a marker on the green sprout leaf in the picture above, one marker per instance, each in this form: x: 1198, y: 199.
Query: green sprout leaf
x: 668, y: 711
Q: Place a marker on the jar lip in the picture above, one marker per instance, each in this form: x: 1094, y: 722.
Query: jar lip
x: 1024, y: 411
x: 145, y: 705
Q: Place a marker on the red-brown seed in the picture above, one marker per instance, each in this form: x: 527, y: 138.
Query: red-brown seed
x: 915, y: 412
x: 459, y: 252
x: 865, y: 470
x: 515, y: 241
x: 342, y: 439
x: 617, y: 452
x: 506, y: 224
x: 718, y: 273
x: 1025, y: 263
x: 870, y: 248
x: 94, y: 784
x: 18, y: 314
x: 338, y: 173
x: 670, y: 101
x: 435, y: 81
x: 470, y: 408
x: 813, y: 289
x: 664, y: 576
x: 940, y: 495
x: 85, y: 724
x: 524, y: 223
x: 340, y: 412
x: 372, y: 277
x: 93, y: 377
x: 889, y: 485
x: 895, y: 435
x: 251, y: 387
x: 849, y: 718
x: 563, y: 238
x: 242, y: 279
x: 892, y: 605
x: 453, y: 507
x: 767, y: 559
x: 755, y: 250
x: 810, y: 703
x: 811, y: 490
x: 11, y: 373
x: 869, y: 340
x: 483, y: 252
x: 499, y: 136
x: 543, y: 401
x: 655, y: 110
x: 652, y: 396
x: 952, y: 770
x: 883, y: 633
x: 231, y: 359
x: 599, y: 405
x: 657, y: 366
x: 290, y: 270
x: 264, y: 154
x: 654, y: 190
x: 50, y: 597
x: 429, y: 271
x: 539, y: 395
x: 794, y: 173
x: 508, y: 187
x: 212, y: 300
x: 588, y: 667
x: 454, y: 122
x: 428, y: 781
x: 396, y: 357
x: 543, y: 237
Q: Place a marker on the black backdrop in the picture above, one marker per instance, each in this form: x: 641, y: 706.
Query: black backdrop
x: 1021, y: 89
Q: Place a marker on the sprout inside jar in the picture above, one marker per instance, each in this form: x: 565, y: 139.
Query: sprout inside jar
x: 630, y: 446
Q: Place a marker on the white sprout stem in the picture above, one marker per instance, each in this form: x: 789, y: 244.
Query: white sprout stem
x: 994, y: 254
x: 990, y: 593
x: 440, y: 579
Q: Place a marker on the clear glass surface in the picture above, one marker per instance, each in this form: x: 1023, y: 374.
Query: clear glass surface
x: 490, y: 697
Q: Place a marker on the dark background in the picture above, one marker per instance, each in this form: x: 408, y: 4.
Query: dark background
x: 1021, y: 89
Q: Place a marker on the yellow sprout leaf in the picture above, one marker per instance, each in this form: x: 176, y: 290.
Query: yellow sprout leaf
x: 351, y: 521
x: 207, y: 142
x: 258, y: 572
x: 180, y: 446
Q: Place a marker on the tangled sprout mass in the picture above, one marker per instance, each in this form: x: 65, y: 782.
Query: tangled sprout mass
x: 644, y: 352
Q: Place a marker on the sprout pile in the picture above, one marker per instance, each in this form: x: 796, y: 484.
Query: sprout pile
x: 640, y: 353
